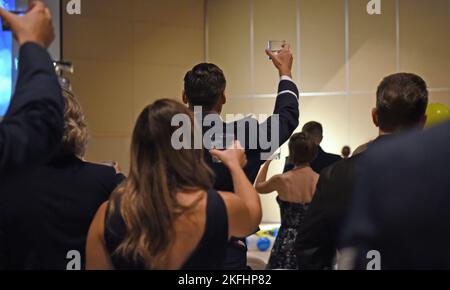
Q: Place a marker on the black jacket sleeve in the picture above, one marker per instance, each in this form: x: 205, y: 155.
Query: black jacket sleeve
x: 287, y: 112
x: 33, y: 125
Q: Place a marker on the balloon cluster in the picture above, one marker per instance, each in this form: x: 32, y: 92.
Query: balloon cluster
x: 263, y: 240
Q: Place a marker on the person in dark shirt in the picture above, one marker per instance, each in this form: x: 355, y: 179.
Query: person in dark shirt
x: 33, y: 124
x: 46, y: 210
x: 401, y: 215
x: 401, y: 103
x: 205, y: 89
x: 324, y: 159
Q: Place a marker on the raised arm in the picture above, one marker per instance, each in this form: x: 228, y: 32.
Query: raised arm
x: 243, y: 207
x: 287, y: 101
x: 33, y: 125
x: 263, y: 185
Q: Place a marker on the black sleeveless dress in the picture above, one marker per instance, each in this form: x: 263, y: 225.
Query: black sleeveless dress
x: 209, y: 253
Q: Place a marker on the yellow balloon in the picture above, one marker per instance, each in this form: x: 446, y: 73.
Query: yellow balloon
x: 437, y: 113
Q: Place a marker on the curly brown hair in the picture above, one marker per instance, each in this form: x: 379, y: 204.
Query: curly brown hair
x: 76, y: 136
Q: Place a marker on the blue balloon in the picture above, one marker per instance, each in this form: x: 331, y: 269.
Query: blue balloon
x: 263, y: 244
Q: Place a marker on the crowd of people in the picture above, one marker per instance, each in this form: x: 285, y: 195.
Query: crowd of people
x: 192, y: 208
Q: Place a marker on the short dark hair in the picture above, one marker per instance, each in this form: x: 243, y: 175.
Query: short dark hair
x: 314, y: 129
x: 204, y: 85
x: 302, y: 149
x: 402, y: 100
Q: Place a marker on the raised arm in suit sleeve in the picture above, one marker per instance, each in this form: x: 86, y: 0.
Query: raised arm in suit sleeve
x: 33, y: 125
x: 287, y: 110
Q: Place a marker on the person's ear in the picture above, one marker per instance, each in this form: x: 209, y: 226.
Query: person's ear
x: 184, y: 97
x: 224, y: 99
x: 423, y: 122
x: 375, y: 117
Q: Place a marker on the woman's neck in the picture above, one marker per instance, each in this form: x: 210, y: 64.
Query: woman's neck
x: 302, y: 165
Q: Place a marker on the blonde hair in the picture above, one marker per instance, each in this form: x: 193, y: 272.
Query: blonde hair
x: 75, y: 138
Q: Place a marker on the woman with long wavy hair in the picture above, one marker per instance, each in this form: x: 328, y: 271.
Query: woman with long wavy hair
x: 166, y: 215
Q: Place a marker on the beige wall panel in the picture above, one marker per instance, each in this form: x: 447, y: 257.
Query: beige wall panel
x: 184, y: 13
x: 362, y: 128
x: 440, y: 97
x: 104, y: 148
x: 425, y: 40
x: 332, y: 112
x: 273, y: 20
x: 97, y: 39
x: 229, y: 42
x: 168, y: 45
x: 322, y: 48
x: 105, y: 90
x: 372, y: 45
x: 152, y: 82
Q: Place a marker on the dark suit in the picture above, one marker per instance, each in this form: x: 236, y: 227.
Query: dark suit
x: 401, y: 202
x: 317, y: 240
x: 46, y: 211
x: 287, y: 108
x: 322, y: 161
x: 33, y: 125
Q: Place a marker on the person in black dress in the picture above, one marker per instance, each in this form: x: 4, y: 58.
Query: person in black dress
x: 45, y: 212
x: 295, y: 191
x: 166, y: 215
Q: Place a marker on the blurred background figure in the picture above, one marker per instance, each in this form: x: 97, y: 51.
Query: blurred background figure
x: 401, y: 103
x: 45, y: 212
x: 346, y: 152
x: 323, y: 159
x: 295, y: 190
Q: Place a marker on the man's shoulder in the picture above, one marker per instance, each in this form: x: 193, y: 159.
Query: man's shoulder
x: 340, y: 167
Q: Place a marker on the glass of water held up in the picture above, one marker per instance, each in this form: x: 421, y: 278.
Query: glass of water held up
x: 276, y: 46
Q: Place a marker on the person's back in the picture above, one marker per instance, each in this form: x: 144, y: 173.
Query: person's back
x: 205, y: 89
x: 199, y: 239
x: 403, y: 215
x: 401, y: 103
x: 295, y: 190
x: 45, y: 212
x: 298, y: 185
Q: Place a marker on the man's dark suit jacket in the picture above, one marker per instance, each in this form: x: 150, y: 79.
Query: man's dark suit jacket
x: 318, y: 235
x: 401, y: 203
x: 322, y: 161
x: 287, y: 108
x: 46, y: 211
x: 33, y: 125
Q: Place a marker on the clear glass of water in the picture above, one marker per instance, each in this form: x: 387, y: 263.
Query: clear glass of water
x: 275, y: 46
